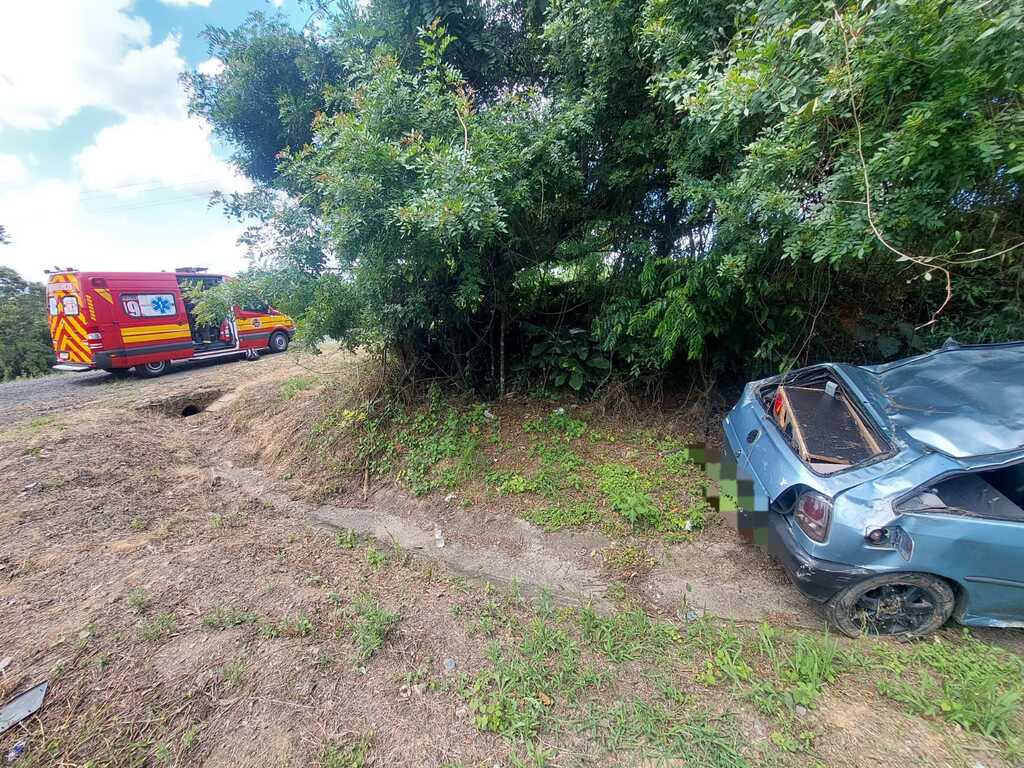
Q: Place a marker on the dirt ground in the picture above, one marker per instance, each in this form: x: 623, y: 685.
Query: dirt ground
x: 189, y: 607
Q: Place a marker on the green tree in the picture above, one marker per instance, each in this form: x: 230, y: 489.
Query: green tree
x: 492, y: 188
x: 274, y: 80
x: 867, y: 152
x: 25, y: 348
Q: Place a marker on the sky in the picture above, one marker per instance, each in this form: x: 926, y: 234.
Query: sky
x: 101, y: 168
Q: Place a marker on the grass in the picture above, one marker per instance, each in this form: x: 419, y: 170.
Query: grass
x: 556, y: 517
x: 291, y: 387
x: 802, y: 666
x: 626, y: 635
x: 538, y: 684
x: 977, y: 686
x: 139, y: 600
x: 375, y: 558
x: 233, y: 673
x: 160, y: 627
x: 346, y: 539
x: 354, y: 753
x: 508, y: 483
x: 369, y: 624
x: 229, y: 615
x: 627, y: 558
x: 441, y: 446
x: 669, y: 732
x: 446, y: 446
x: 299, y: 625
x: 627, y: 492
x: 558, y: 424
x: 648, y: 484
x: 517, y: 693
x: 33, y: 427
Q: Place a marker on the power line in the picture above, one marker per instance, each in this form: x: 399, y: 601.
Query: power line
x: 151, y: 204
x: 137, y: 189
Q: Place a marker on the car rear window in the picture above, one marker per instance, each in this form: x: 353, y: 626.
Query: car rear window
x: 822, y: 423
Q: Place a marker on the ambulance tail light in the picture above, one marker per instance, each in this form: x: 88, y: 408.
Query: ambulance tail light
x: 95, y: 340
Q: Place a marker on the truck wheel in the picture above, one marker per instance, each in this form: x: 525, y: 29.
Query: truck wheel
x: 904, y: 605
x: 278, y: 342
x: 152, y: 370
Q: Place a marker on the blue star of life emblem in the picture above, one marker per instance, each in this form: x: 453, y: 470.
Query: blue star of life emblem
x: 161, y: 305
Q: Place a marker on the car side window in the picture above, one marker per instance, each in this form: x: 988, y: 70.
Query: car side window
x: 256, y: 306
x: 149, y: 305
x: 1009, y: 481
x: 130, y: 303
x: 994, y: 495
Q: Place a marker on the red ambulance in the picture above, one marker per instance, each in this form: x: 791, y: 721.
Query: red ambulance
x: 114, y: 321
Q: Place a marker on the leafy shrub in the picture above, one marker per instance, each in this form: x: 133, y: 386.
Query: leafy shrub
x: 510, y: 483
x: 563, y: 357
x: 626, y: 490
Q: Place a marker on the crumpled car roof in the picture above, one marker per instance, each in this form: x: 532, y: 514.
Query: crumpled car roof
x: 964, y: 401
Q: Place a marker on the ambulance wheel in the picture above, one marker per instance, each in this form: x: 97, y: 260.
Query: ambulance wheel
x: 278, y: 342
x: 152, y: 370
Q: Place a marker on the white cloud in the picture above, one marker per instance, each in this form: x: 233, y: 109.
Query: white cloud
x: 89, y: 54
x: 52, y: 223
x: 183, y: 3
x: 211, y: 67
x: 137, y: 197
x: 277, y: 3
x: 12, y: 170
x: 154, y: 151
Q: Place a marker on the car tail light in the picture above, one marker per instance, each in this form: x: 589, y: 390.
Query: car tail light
x: 94, y: 339
x: 813, y: 513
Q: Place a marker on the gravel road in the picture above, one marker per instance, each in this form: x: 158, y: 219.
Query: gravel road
x: 35, y: 397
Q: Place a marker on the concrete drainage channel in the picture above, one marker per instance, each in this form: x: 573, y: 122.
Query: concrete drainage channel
x: 181, y: 404
x: 714, y: 578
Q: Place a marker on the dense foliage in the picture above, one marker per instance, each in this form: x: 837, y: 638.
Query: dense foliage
x: 24, y: 338
x: 555, y: 192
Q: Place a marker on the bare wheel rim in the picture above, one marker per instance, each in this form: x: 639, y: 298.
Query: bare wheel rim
x: 894, y: 609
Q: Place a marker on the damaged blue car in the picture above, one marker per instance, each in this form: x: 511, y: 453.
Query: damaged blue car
x: 892, y: 494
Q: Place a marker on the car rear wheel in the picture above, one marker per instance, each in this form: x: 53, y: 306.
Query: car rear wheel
x: 278, y: 342
x: 895, y: 604
x: 152, y: 370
